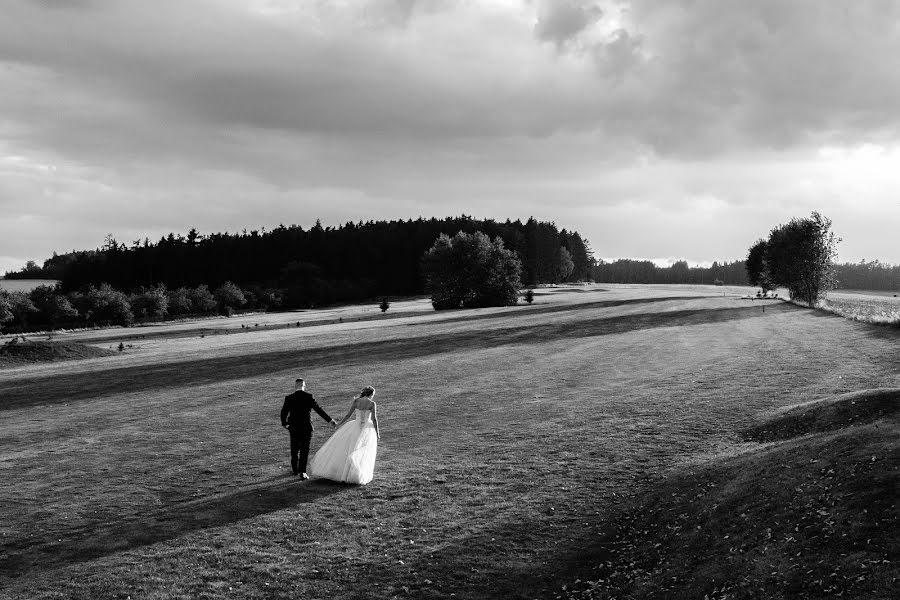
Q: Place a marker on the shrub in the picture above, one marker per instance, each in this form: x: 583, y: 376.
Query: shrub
x: 6, y: 313
x: 179, y: 301
x: 108, y: 305
x: 262, y: 298
x: 53, y: 307
x: 202, y: 300
x: 529, y: 296
x: 17, y: 309
x: 384, y: 304
x: 151, y: 303
x: 229, y: 298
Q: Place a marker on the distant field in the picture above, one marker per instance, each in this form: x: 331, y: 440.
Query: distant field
x: 869, y: 307
x: 15, y: 285
x: 512, y: 440
x: 866, y: 293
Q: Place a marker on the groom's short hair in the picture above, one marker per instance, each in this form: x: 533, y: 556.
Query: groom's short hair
x: 298, y: 381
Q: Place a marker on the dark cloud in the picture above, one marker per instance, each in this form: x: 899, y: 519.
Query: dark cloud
x: 681, y: 79
x: 559, y: 21
x: 423, y: 104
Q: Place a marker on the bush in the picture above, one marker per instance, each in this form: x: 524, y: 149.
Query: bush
x: 6, y: 313
x: 384, y: 304
x: 179, y: 301
x: 53, y: 307
x: 202, y: 300
x: 19, y: 305
x: 151, y: 303
x: 229, y: 298
x: 529, y: 296
x: 108, y: 305
x: 262, y: 298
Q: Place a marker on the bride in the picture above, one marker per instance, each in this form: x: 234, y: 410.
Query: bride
x: 349, y: 454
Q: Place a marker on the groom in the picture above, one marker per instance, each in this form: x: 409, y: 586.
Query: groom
x: 295, y: 415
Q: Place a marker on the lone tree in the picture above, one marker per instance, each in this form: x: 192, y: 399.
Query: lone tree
x: 799, y: 256
x: 471, y: 271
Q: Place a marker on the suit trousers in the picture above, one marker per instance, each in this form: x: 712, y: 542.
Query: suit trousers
x: 300, y: 438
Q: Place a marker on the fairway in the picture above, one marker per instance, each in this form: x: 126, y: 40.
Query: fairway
x: 510, y: 437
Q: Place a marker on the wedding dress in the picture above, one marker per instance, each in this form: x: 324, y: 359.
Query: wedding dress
x: 349, y: 454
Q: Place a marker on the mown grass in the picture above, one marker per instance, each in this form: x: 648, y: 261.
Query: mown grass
x: 512, y: 440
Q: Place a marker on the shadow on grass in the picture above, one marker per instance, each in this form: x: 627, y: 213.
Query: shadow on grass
x: 814, y: 518
x: 55, y: 389
x: 453, y: 316
x: 449, y: 316
x: 93, y: 540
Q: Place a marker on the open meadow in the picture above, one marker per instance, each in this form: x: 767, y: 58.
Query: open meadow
x: 605, y: 441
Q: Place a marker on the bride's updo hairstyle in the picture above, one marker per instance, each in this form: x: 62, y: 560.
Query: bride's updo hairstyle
x: 367, y: 392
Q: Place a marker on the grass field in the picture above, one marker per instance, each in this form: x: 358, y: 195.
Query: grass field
x: 565, y: 448
x: 867, y: 307
x: 24, y: 285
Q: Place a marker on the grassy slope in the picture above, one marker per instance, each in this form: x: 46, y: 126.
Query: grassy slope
x: 813, y: 515
x: 511, y: 439
x: 15, y: 353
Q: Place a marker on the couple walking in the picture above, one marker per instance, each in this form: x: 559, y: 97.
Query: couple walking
x: 349, y: 454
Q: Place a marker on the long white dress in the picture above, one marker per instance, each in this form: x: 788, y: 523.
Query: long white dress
x: 349, y: 454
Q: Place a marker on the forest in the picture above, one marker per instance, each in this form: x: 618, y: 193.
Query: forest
x: 292, y: 267
x: 864, y: 275
x: 644, y: 271
x: 321, y: 265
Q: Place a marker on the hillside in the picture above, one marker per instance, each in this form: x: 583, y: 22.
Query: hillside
x: 807, y: 510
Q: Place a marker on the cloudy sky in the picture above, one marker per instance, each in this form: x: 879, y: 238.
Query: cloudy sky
x: 678, y: 129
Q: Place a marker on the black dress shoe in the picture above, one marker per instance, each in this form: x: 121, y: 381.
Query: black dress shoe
x: 304, y: 476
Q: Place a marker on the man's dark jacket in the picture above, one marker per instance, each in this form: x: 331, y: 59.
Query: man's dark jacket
x: 296, y: 410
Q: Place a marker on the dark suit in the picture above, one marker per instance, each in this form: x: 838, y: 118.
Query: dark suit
x: 295, y: 414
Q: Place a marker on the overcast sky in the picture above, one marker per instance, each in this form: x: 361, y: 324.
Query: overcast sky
x: 663, y: 130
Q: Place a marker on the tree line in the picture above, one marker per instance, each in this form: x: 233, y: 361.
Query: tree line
x: 647, y: 272
x: 349, y: 262
x: 864, y: 275
x: 285, y: 268
x: 868, y: 275
x: 47, y: 307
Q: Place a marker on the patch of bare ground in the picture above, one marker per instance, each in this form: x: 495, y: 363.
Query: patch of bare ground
x: 812, y: 516
x: 16, y: 352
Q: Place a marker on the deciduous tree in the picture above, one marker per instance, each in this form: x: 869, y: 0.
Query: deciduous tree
x: 471, y: 271
x: 800, y: 256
